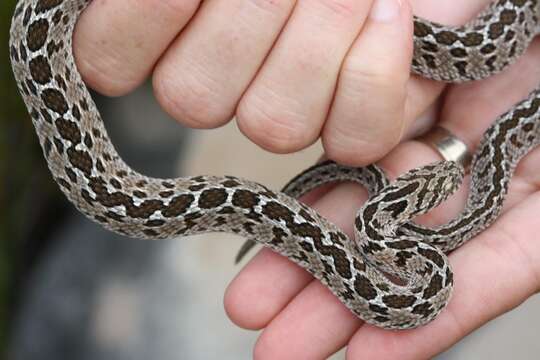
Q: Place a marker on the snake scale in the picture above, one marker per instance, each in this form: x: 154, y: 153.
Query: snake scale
x: 394, y: 274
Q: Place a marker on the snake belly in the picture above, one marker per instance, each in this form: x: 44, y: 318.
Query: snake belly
x: 361, y: 272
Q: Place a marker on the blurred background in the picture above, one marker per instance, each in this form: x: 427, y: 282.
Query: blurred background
x: 71, y: 290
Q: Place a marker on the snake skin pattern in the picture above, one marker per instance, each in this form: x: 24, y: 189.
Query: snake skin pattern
x: 395, y: 274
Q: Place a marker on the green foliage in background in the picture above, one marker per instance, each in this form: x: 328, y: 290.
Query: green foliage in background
x: 12, y: 141
x: 24, y: 186
x: 10, y: 110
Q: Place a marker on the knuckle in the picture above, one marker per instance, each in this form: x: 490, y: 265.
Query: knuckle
x: 373, y: 73
x: 103, y: 71
x: 338, y: 8
x: 189, y: 100
x: 176, y: 7
x: 348, y: 147
x: 105, y: 80
x: 376, y: 69
x: 271, y: 6
x: 273, y: 128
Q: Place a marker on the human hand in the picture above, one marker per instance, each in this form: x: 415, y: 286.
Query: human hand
x: 290, y: 71
x: 494, y: 272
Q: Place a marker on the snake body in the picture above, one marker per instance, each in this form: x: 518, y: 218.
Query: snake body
x: 395, y: 274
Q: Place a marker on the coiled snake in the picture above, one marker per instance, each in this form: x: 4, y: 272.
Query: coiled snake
x: 361, y: 273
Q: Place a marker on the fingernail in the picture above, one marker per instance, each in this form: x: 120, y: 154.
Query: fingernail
x: 385, y: 10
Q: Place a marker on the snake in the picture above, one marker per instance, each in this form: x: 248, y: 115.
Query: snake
x: 394, y: 273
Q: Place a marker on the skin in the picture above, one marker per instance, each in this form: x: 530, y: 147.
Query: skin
x: 291, y: 71
x: 302, y: 319
x: 294, y: 71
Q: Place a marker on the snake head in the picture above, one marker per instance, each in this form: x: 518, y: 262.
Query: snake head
x: 452, y: 174
x: 412, y: 194
x: 434, y: 184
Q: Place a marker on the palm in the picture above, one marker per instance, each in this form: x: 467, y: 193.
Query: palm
x: 499, y: 268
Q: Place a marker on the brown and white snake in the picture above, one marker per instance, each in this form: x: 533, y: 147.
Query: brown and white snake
x: 89, y: 171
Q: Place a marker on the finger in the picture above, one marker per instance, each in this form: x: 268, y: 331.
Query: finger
x: 117, y: 43
x: 272, y: 279
x: 371, y: 95
x: 308, y: 317
x: 281, y: 334
x: 287, y: 278
x: 207, y: 69
x: 285, y: 107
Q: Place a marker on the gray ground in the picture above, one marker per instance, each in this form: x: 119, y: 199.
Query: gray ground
x: 100, y: 296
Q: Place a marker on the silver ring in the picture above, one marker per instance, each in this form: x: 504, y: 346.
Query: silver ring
x: 449, y: 146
